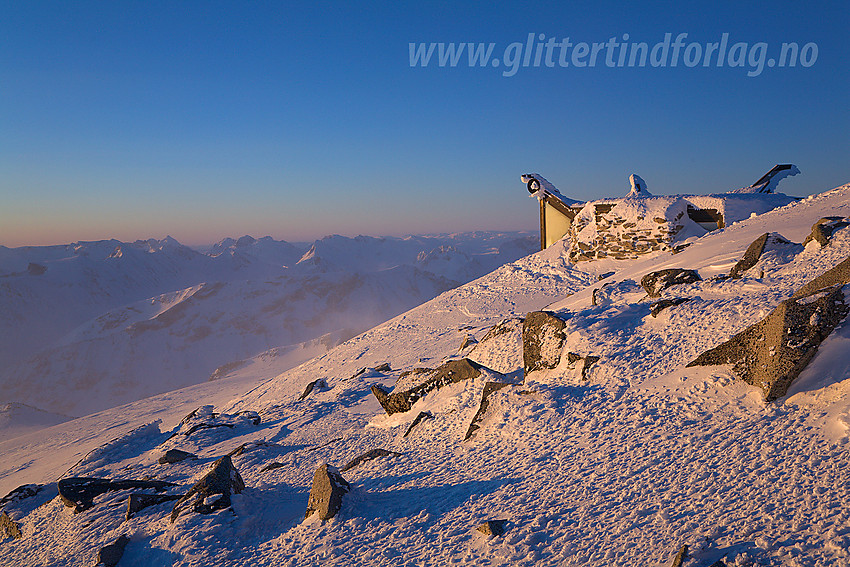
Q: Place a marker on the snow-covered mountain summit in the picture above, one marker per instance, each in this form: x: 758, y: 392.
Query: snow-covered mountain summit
x: 550, y: 404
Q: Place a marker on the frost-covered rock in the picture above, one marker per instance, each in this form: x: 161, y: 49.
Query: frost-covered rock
x: 493, y: 527
x: 823, y: 229
x: 542, y: 340
x: 368, y: 456
x: 638, y: 187
x: 8, y: 527
x: 773, y: 352
x: 662, y: 304
x: 213, y: 491
x: 767, y: 242
x: 205, y: 418
x: 78, y: 493
x: 326, y: 493
x: 475, y: 424
x: 656, y: 282
x: 582, y: 363
x: 138, y: 502
x: 175, y: 456
x: 451, y: 372
x: 111, y: 554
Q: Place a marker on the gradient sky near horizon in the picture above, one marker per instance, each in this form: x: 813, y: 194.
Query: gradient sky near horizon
x: 202, y: 120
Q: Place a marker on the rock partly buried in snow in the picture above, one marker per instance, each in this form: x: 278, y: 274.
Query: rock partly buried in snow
x: 175, y: 456
x: 823, y: 230
x: 20, y: 493
x: 451, y: 372
x: 765, y: 243
x: 383, y: 367
x: 326, y: 493
x: 368, y: 456
x: 493, y: 527
x: 213, y: 491
x: 468, y: 341
x: 584, y: 362
x: 773, y: 352
x: 422, y: 416
x: 111, y: 554
x: 79, y: 492
x: 205, y: 418
x: 138, y: 502
x: 662, y: 304
x: 656, y: 282
x: 542, y: 340
x: 475, y: 424
x: 8, y: 527
x: 837, y: 275
x: 318, y: 383
x: 679, y: 558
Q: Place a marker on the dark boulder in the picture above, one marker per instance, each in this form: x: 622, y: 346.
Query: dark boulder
x: 773, y: 352
x: 111, y: 554
x: 656, y: 282
x: 823, y: 230
x: 449, y: 373
x: 326, y: 493
x: 422, y: 416
x: 78, y: 492
x: 662, y: 304
x: 8, y: 527
x: 175, y: 456
x: 542, y: 340
x: 383, y: 367
x: 318, y: 383
x: 22, y: 492
x: 761, y: 245
x: 137, y: 502
x: 493, y: 527
x: 475, y: 424
x: 368, y: 456
x: 222, y: 480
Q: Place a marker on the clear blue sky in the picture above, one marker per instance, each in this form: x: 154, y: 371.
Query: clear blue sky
x: 208, y: 119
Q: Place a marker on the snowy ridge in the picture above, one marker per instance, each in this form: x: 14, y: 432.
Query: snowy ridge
x: 618, y: 465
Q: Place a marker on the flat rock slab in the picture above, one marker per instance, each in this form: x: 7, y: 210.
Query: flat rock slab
x: 475, y: 424
x: 656, y: 282
x: 542, y: 340
x: 79, y: 492
x: 493, y: 527
x: 111, y: 554
x: 222, y: 480
x: 368, y: 456
x: 451, y: 372
x: 175, y: 456
x: 773, y: 352
x: 326, y: 493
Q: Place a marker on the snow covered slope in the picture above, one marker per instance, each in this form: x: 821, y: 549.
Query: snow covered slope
x: 618, y: 462
x: 93, y: 325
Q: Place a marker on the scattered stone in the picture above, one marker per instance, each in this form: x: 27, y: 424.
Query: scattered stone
x: 542, y: 339
x: 137, y: 502
x: 680, y: 557
x: 383, y: 367
x: 467, y: 342
x: 839, y: 274
x: 773, y: 352
x: 79, y: 492
x: 586, y: 362
x: 656, y: 282
x: 823, y: 230
x: 606, y: 275
x: 111, y: 554
x: 175, y: 456
x: 358, y: 373
x: 222, y: 480
x: 764, y: 243
x: 8, y: 527
x: 489, y: 388
x: 318, y: 383
x: 423, y: 415
x: 368, y: 456
x: 451, y: 372
x: 272, y: 466
x: 326, y: 493
x: 662, y: 304
x: 493, y: 527
x: 20, y: 493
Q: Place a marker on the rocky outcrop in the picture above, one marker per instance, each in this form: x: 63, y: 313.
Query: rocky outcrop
x: 422, y: 416
x: 78, y: 492
x: 823, y: 230
x: 326, y: 494
x: 662, y: 304
x: 138, y: 502
x: 8, y: 527
x: 213, y: 491
x: 175, y: 456
x: 493, y: 527
x: 656, y: 282
x: 318, y: 383
x: 205, y: 418
x: 110, y: 555
x: 368, y: 456
x: 773, y: 352
x: 449, y: 373
x: 475, y: 424
x: 542, y: 340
